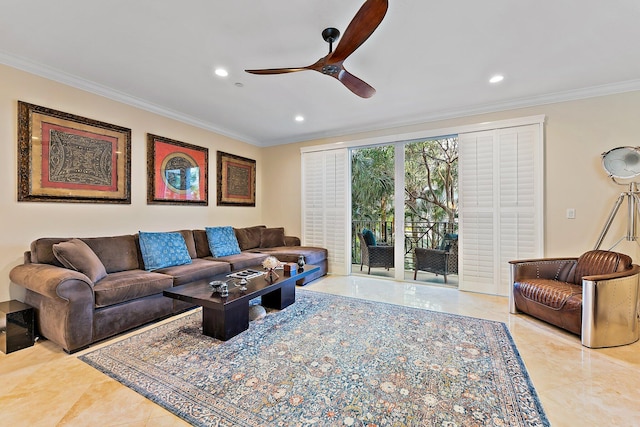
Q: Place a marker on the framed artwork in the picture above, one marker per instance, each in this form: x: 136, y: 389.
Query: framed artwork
x: 67, y: 158
x: 177, y: 172
x: 236, y: 185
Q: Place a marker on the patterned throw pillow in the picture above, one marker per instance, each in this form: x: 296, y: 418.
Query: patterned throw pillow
x: 161, y: 250
x: 222, y: 241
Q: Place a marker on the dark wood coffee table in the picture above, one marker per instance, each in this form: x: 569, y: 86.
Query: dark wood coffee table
x: 225, y: 317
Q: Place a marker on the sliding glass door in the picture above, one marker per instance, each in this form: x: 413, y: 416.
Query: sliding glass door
x: 431, y: 209
x: 406, y: 194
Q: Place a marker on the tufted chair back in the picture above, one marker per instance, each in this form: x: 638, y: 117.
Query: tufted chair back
x: 599, y: 262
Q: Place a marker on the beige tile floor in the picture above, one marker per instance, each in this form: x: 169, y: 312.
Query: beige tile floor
x: 43, y: 386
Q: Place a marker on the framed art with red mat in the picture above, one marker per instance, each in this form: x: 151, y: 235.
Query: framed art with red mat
x: 177, y: 172
x: 63, y: 157
x: 236, y: 185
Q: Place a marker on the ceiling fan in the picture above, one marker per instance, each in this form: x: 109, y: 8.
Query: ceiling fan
x: 358, y: 31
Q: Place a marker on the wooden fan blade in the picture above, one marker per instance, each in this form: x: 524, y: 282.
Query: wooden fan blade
x: 276, y: 70
x: 355, y: 85
x: 360, y: 28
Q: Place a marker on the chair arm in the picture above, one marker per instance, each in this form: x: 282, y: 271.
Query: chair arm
x: 542, y: 268
x: 635, y: 269
x: 610, y: 309
x: 45, y: 279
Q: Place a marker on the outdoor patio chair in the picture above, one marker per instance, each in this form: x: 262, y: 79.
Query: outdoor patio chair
x: 443, y: 260
x: 374, y: 255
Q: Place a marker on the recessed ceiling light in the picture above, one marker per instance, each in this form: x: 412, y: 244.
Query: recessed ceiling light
x: 496, y: 79
x: 221, y: 72
x: 299, y: 118
x: 238, y: 84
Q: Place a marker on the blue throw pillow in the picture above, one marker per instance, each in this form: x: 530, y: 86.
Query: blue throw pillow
x: 222, y: 241
x: 369, y: 238
x: 161, y: 250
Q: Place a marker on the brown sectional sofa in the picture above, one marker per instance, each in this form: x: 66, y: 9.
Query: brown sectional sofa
x: 74, y: 312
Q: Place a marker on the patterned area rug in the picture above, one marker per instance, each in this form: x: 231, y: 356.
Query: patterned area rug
x: 332, y: 361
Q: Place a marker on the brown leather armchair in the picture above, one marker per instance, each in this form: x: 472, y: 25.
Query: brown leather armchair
x: 594, y: 296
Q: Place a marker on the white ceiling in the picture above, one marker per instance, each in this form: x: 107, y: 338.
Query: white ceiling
x: 428, y: 59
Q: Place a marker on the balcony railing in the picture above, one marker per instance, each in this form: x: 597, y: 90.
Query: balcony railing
x: 417, y: 234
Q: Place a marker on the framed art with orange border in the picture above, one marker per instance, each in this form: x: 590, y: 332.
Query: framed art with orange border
x: 177, y: 172
x: 236, y: 185
x: 67, y: 158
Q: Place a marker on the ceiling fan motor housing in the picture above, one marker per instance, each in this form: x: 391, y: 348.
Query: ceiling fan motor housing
x: 330, y: 34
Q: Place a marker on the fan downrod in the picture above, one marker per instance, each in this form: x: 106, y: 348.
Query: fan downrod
x: 330, y: 35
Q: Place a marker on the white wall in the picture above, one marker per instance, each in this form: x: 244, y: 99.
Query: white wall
x: 25, y: 221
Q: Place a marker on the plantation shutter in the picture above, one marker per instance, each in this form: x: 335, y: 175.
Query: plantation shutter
x: 325, y: 205
x: 500, y: 182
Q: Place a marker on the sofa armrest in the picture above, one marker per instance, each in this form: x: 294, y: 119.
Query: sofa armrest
x: 610, y: 309
x: 291, y: 241
x: 63, y: 300
x: 45, y: 279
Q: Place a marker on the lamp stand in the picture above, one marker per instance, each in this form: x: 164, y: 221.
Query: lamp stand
x: 633, y: 204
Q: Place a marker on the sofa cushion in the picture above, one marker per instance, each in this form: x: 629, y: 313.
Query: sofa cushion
x: 202, y: 243
x: 555, y: 302
x: 272, y: 237
x: 312, y: 255
x: 129, y: 285
x: 41, y: 250
x: 190, y: 242
x: 198, y: 269
x: 222, y: 241
x: 248, y: 237
x: 243, y: 260
x: 161, y: 250
x: 117, y: 253
x: 76, y: 255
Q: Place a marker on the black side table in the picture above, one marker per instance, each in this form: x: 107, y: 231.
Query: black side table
x: 16, y: 326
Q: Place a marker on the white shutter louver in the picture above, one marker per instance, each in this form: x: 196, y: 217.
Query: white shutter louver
x: 500, y: 204
x: 325, y: 214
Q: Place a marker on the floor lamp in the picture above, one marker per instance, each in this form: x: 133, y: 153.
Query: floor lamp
x: 623, y: 163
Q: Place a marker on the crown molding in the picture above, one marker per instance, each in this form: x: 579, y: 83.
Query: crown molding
x: 532, y: 101
x: 56, y: 75
x: 454, y: 113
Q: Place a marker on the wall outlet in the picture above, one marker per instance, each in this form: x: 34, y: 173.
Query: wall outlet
x: 571, y: 213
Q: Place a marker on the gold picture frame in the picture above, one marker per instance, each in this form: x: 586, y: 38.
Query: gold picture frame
x: 63, y: 157
x: 178, y: 173
x: 236, y: 184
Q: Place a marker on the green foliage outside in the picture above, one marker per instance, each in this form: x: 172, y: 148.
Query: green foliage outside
x: 372, y: 184
x: 431, y: 182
